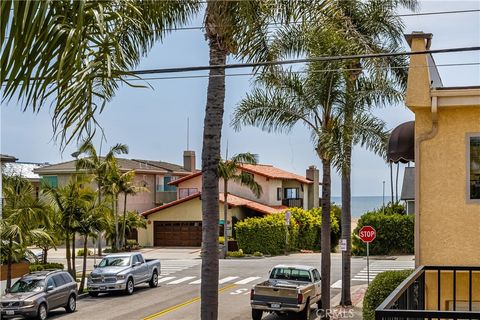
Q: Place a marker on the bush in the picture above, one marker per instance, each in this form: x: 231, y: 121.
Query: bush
x: 80, y: 253
x: 236, y: 254
x: 269, y: 234
x: 257, y: 254
x: 380, y: 288
x: 107, y: 250
x: 395, y: 234
x: 40, y: 266
x: 221, y: 240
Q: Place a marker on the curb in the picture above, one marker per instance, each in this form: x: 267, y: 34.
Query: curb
x: 82, y: 296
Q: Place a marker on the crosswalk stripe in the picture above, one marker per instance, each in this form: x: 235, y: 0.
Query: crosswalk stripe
x: 165, y: 279
x: 247, y: 280
x: 227, y: 279
x: 196, y: 281
x: 181, y: 280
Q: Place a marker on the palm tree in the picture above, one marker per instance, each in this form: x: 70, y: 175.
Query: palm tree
x: 127, y: 187
x: 239, y: 28
x: 110, y: 39
x: 228, y: 170
x: 134, y: 221
x: 22, y: 219
x: 111, y: 186
x: 99, y: 167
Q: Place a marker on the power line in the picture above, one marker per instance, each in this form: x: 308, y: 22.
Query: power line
x: 299, y: 72
x: 296, y: 61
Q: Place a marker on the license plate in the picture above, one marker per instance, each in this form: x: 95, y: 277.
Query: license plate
x: 10, y: 312
x: 103, y: 288
x: 275, y: 305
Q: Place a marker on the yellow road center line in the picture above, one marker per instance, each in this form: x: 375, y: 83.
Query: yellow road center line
x: 183, y: 304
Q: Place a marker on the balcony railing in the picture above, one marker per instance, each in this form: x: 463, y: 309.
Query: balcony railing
x: 293, y: 202
x: 408, y: 301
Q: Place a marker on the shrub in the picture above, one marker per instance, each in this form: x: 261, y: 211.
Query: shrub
x: 40, y: 266
x: 221, y: 240
x: 107, y: 250
x: 395, y: 234
x: 269, y: 234
x: 257, y: 254
x: 380, y: 288
x: 236, y: 254
x: 80, y: 252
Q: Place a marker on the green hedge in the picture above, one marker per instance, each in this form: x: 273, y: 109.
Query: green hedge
x: 380, y: 288
x: 40, y: 266
x: 395, y: 233
x: 268, y: 234
x: 80, y: 252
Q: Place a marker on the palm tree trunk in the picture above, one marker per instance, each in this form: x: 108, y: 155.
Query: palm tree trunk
x: 124, y: 240
x: 99, y: 234
x: 325, y: 237
x: 74, y: 269
x: 9, y: 264
x: 67, y: 247
x: 225, y: 217
x: 212, y: 131
x: 84, y: 267
x: 115, y: 210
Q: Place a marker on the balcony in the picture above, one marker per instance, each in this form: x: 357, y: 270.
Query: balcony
x: 452, y: 292
x: 293, y: 202
x: 165, y: 196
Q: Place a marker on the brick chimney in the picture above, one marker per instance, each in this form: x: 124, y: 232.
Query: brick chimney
x: 313, y: 190
x: 189, y: 160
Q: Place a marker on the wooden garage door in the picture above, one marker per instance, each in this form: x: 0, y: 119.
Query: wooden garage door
x: 175, y: 233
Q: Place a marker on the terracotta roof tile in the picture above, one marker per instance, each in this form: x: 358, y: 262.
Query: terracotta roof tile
x: 272, y: 172
x: 236, y: 201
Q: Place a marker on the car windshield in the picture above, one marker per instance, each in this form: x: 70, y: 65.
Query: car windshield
x: 28, y: 285
x: 121, y: 261
x: 290, y: 274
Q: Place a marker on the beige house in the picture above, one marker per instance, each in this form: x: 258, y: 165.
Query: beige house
x: 179, y: 223
x: 446, y: 283
x: 151, y: 174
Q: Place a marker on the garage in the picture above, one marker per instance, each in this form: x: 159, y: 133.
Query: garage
x: 177, y: 233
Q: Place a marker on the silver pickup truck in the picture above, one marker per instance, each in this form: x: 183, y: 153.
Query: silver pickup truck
x: 289, y: 289
x: 122, y: 272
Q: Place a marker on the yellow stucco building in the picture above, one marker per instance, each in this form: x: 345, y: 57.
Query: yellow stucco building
x: 447, y: 195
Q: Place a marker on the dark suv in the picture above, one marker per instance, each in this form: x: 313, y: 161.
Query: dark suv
x: 36, y: 293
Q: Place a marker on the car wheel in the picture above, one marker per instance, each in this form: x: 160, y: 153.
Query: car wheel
x: 71, y: 304
x: 257, y: 314
x: 305, y: 313
x: 154, y: 280
x: 42, y: 312
x: 129, y: 287
x: 92, y: 294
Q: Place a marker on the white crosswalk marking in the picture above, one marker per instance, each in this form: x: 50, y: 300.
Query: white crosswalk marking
x: 171, y: 266
x: 227, y: 279
x: 196, y: 281
x: 247, y: 280
x: 378, y: 267
x: 165, y: 279
x: 181, y: 280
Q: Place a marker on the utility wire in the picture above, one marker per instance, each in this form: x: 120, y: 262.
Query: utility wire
x: 296, y: 61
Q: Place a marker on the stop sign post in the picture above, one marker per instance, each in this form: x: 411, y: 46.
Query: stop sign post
x: 367, y: 234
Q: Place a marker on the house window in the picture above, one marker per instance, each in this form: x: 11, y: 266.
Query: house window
x: 167, y: 187
x: 474, y: 167
x: 51, y: 181
x: 158, y: 183
x: 279, y: 193
x: 185, y: 192
x: 290, y: 193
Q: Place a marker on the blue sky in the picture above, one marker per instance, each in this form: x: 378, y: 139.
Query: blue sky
x: 153, y: 122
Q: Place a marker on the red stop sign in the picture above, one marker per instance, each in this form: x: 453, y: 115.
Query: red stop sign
x: 367, y: 234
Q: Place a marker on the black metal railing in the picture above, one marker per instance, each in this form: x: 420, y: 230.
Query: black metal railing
x: 293, y: 202
x: 408, y: 302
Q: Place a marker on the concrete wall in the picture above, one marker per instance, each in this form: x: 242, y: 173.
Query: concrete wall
x: 142, y: 201
x: 195, y: 182
x: 269, y: 190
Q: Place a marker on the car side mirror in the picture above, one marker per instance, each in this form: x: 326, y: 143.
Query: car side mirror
x: 136, y: 264
x: 50, y: 288
x: 95, y: 265
x: 7, y: 291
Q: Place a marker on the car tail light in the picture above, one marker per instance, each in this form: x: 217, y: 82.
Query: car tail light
x: 299, y: 298
x: 252, y: 293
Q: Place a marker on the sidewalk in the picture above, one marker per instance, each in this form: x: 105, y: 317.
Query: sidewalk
x: 355, y: 311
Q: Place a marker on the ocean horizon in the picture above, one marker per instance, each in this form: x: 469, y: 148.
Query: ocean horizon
x: 362, y: 204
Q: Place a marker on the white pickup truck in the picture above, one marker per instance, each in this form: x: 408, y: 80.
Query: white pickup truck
x: 289, y: 289
x: 122, y: 272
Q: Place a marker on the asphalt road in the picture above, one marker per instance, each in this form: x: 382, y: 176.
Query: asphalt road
x: 178, y: 294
